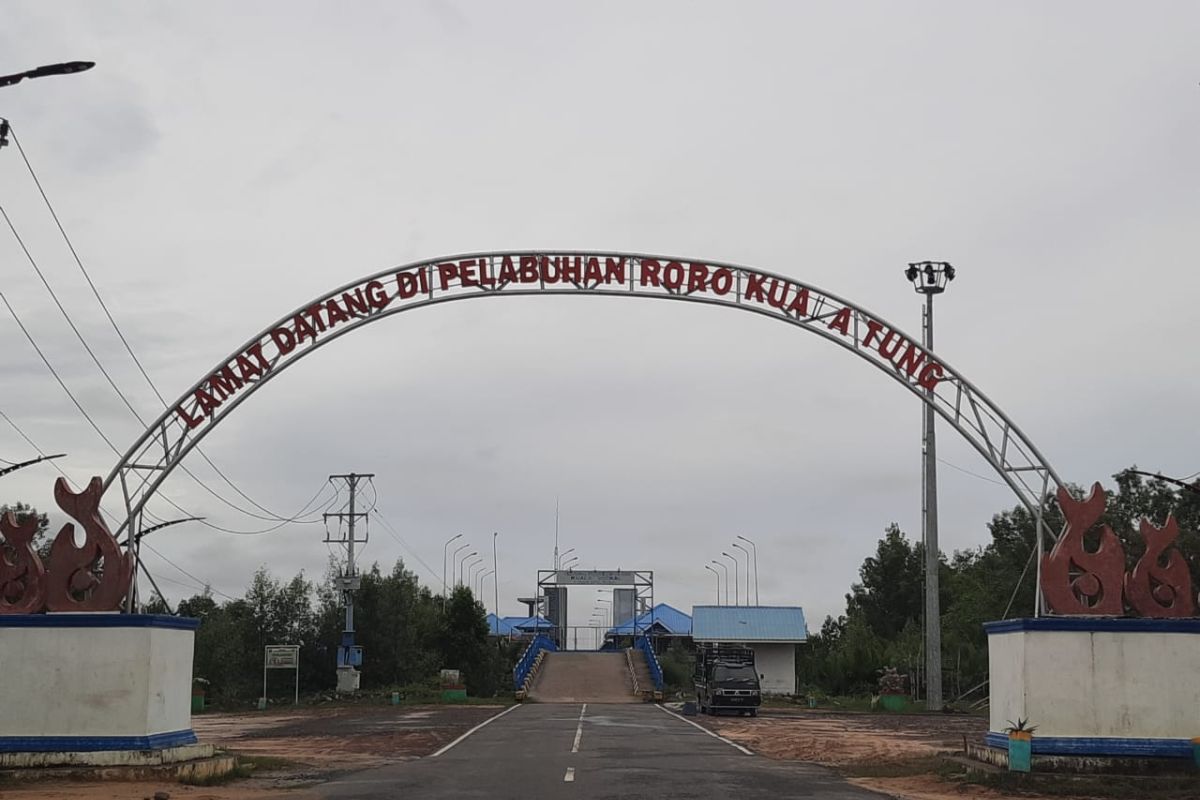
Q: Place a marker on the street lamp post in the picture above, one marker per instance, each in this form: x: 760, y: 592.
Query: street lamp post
x: 459, y: 571
x: 570, y: 562
x: 445, y: 550
x: 754, y: 548
x: 477, y: 563
x: 931, y: 278
x: 747, y: 552
x: 737, y: 594
x: 562, y: 557
x: 725, y: 567
x: 718, y: 576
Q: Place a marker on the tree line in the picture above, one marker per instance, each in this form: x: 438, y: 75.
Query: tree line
x: 882, y: 625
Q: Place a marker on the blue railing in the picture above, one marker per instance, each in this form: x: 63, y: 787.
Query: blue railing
x: 643, y: 644
x: 521, y: 671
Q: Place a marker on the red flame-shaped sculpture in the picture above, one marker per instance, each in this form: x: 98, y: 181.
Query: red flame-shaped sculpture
x: 1075, y: 581
x: 1155, y: 589
x: 22, y: 576
x: 96, y: 576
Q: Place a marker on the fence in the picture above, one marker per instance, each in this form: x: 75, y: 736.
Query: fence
x: 656, y: 674
x: 539, y: 644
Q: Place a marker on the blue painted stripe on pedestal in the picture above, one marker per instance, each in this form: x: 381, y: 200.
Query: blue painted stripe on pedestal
x: 90, y: 744
x: 1095, y: 625
x: 1100, y: 746
x: 98, y: 620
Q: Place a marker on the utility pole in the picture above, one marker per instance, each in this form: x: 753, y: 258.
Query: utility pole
x: 930, y: 278
x: 349, y: 656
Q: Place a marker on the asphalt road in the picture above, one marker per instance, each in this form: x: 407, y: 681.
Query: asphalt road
x: 592, y: 752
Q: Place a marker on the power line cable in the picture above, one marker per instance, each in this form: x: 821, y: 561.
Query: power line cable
x: 387, y: 526
x: 120, y: 335
x: 206, y: 584
x: 972, y: 474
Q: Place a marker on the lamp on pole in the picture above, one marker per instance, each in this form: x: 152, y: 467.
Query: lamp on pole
x: 725, y: 567
x: 495, y: 580
x: 562, y: 556
x: 747, y: 552
x: 753, y: 547
x: 481, y: 578
x: 718, y: 575
x: 65, y: 68
x: 476, y: 563
x: 445, y: 550
x: 570, y: 562
x: 737, y: 598
x: 931, y: 278
x: 459, y: 571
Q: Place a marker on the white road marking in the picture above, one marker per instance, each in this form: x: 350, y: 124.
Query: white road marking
x: 477, y: 727
x: 579, y: 730
x: 706, y: 730
x: 570, y: 776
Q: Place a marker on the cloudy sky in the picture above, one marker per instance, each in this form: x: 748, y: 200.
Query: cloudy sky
x: 225, y: 163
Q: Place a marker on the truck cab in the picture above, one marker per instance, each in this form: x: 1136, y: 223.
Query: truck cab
x: 726, y: 679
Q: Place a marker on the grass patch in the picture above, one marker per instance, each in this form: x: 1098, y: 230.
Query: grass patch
x: 259, y: 763
x: 929, y: 765
x: 237, y: 773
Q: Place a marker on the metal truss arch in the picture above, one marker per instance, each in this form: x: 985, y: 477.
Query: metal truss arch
x: 169, y: 439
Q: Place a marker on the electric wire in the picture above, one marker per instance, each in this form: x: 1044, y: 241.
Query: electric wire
x: 107, y: 441
x: 972, y: 474
x: 387, y: 526
x: 206, y: 584
x: 120, y: 334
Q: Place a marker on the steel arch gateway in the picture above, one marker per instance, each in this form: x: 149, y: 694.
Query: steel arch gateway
x: 171, y: 437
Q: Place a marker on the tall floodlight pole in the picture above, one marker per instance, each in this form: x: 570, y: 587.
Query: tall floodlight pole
x: 737, y: 594
x: 496, y: 581
x: 445, y: 550
x: 725, y: 567
x: 754, y: 548
x: 930, y: 278
x: 718, y: 576
x: 747, y: 552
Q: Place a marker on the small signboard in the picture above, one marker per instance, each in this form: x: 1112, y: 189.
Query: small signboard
x: 281, y: 656
x: 595, y: 577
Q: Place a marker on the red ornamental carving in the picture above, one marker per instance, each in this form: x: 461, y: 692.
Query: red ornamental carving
x: 22, y: 576
x: 1075, y: 581
x: 96, y: 576
x: 1153, y: 588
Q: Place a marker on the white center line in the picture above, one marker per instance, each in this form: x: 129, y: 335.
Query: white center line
x: 570, y: 776
x: 579, y: 730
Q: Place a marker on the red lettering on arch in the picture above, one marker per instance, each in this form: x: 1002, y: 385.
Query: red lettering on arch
x: 650, y: 269
x: 377, y: 296
x: 673, y: 275
x: 508, y: 273
x: 224, y: 382
x: 722, y: 280
x: 754, y: 287
x: 446, y: 273
x: 247, y: 369
x: 208, y: 404
x: 529, y: 269
x: 334, y: 312
x: 614, y: 270
x: 912, y: 359
x: 799, y: 304
x: 406, y: 285
x: 697, y: 278
x: 931, y: 376
x: 355, y: 302
x: 284, y: 341
x: 841, y: 322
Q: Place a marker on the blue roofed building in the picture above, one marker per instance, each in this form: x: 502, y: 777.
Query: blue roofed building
x: 663, y: 623
x: 517, y: 627
x: 773, y: 632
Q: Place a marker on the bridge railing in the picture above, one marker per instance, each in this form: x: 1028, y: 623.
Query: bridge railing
x: 541, y: 643
x: 656, y: 673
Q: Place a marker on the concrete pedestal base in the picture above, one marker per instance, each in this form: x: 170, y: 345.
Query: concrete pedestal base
x: 348, y: 679
x: 1097, y: 686
x: 77, y: 683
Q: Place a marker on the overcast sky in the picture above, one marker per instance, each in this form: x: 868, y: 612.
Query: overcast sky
x: 227, y: 162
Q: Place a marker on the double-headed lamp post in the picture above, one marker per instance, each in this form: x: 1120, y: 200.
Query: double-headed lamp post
x: 931, y: 278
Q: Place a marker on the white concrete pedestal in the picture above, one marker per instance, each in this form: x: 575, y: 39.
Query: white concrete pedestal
x: 1097, y: 686
x: 92, y: 682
